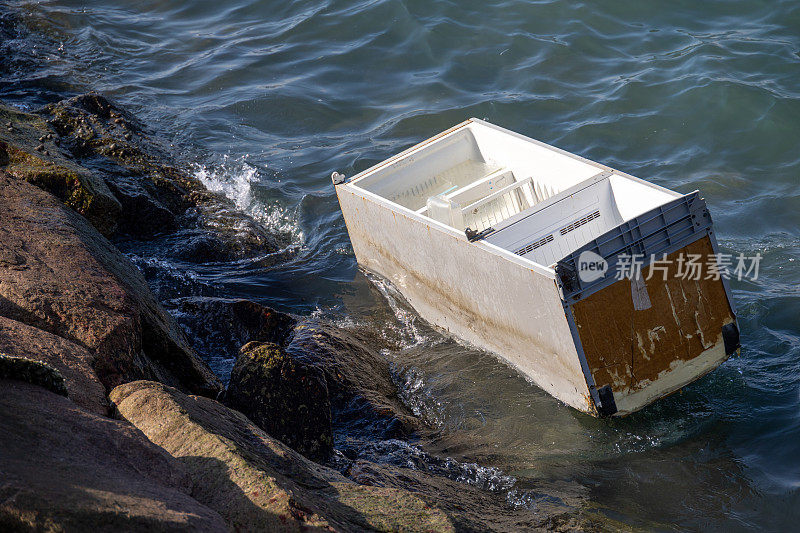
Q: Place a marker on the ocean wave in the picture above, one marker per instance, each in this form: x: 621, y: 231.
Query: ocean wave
x: 237, y: 179
x: 403, y: 454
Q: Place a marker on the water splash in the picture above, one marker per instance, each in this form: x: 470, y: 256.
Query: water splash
x: 235, y: 181
x: 405, y: 455
x: 407, y: 320
x: 238, y: 180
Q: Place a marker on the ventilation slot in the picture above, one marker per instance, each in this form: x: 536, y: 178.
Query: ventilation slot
x: 580, y: 222
x: 535, y: 244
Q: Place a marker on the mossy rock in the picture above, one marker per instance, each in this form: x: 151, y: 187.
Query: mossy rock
x: 30, y: 150
x: 285, y: 397
x: 360, y: 385
x: 66, y: 184
x: 34, y: 372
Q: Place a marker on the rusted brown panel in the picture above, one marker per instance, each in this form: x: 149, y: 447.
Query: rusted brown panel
x: 627, y: 348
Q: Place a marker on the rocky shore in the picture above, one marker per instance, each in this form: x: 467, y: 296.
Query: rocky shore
x: 109, y: 420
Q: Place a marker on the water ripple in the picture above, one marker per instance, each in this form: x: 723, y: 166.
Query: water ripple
x: 268, y: 98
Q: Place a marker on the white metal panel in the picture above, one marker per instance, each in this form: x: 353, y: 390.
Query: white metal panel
x: 633, y: 198
x: 476, y: 291
x: 553, y: 169
x: 568, y: 221
x: 482, y: 292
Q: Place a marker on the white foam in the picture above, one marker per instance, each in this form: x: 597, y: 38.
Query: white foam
x: 236, y: 179
x: 403, y: 454
x: 233, y: 180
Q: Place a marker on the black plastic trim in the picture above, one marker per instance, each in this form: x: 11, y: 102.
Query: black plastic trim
x: 473, y: 235
x: 730, y: 336
x: 607, y: 405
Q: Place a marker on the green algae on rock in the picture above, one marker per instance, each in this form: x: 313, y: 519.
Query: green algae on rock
x: 73, y: 361
x: 30, y: 150
x: 283, y: 396
x: 33, y: 372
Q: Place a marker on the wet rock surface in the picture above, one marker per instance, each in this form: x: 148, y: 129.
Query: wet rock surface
x: 157, y: 196
x: 283, y: 396
x: 224, y: 325
x: 100, y: 161
x: 59, y: 275
x: 64, y: 469
x: 362, y: 390
x: 470, y: 508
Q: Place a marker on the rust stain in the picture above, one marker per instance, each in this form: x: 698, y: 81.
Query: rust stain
x: 627, y: 349
x: 591, y: 408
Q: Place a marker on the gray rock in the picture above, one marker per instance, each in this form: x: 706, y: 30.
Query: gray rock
x: 63, y: 469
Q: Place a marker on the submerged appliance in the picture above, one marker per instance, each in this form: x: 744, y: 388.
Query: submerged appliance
x: 531, y: 252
